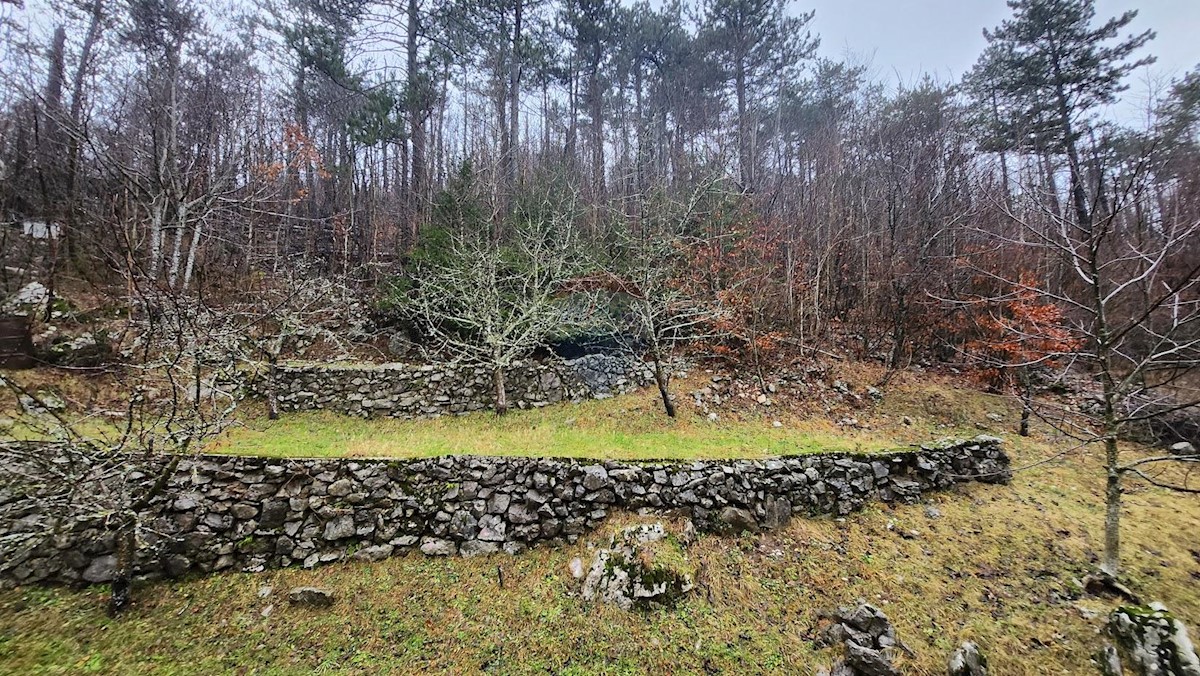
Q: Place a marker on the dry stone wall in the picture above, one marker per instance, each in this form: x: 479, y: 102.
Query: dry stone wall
x: 243, y: 513
x: 429, y: 390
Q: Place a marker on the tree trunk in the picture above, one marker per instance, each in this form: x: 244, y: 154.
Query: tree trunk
x: 193, y: 248
x: 1111, y: 564
x: 417, y: 116
x: 177, y: 246
x: 123, y: 572
x: 77, y: 82
x: 1026, y: 402
x: 501, y: 393
x: 596, y: 112
x: 514, y: 97
x: 745, y: 161
x: 272, y: 388
x: 662, y: 379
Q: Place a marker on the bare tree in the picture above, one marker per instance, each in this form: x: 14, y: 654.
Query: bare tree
x: 1134, y: 298
x: 181, y: 386
x: 489, y: 303
x: 652, y: 309
x: 294, y: 311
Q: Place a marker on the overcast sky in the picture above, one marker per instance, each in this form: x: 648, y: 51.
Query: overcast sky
x: 904, y: 38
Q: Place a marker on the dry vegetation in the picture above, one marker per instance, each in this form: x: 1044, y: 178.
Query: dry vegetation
x: 1000, y: 565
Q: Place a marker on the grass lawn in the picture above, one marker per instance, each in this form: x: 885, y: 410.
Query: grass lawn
x: 630, y: 427
x: 592, y: 430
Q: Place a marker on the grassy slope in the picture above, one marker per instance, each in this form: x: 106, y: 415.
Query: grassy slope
x: 997, y: 567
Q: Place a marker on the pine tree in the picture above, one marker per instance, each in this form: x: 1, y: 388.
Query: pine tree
x: 758, y: 46
x: 1045, y: 72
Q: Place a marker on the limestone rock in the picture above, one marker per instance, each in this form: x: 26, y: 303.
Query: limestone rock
x: 778, y: 511
x: 340, y: 527
x: 437, y: 547
x: 101, y: 569
x: 576, y: 568
x: 243, y: 511
x: 311, y: 597
x: 642, y: 567
x: 1183, y: 448
x: 1153, y: 641
x: 374, y: 553
x: 736, y: 520
x: 868, y: 641
x: 595, y: 477
x: 864, y: 661
x: 967, y: 661
x: 340, y: 488
x: 84, y: 350
x: 478, y: 548
x: 31, y: 297
x: 1108, y: 661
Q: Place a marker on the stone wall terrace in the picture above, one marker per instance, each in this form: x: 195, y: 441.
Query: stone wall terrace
x: 428, y: 390
x: 248, y: 513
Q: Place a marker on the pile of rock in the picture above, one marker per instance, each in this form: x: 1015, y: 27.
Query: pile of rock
x: 868, y: 639
x: 30, y: 299
x: 725, y: 392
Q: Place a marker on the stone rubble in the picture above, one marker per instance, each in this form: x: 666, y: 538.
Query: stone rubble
x: 868, y: 639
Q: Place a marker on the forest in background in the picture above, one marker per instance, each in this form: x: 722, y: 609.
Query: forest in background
x: 701, y: 149
x: 196, y: 147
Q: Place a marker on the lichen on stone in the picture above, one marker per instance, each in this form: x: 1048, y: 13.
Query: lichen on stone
x: 643, y: 566
x: 1153, y: 641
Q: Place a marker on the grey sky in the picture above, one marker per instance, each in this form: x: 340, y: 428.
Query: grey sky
x: 904, y: 38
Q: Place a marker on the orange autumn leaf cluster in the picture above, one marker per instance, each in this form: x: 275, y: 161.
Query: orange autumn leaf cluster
x: 1023, y: 330
x: 299, y: 153
x: 740, y: 276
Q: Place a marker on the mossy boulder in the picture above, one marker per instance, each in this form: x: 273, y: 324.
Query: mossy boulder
x: 88, y: 349
x: 643, y: 566
x: 1152, y: 641
x: 967, y: 661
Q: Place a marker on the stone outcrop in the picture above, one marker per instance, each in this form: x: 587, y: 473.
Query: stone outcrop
x: 967, y: 661
x: 430, y: 390
x: 250, y: 513
x: 642, y: 566
x: 1152, y: 641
